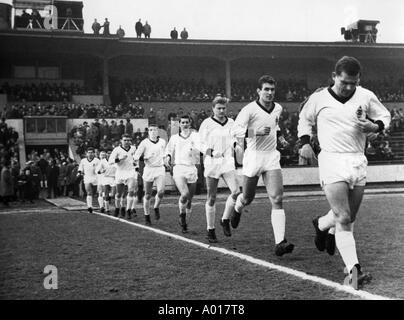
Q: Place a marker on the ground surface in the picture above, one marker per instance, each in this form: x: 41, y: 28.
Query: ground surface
x: 101, y: 258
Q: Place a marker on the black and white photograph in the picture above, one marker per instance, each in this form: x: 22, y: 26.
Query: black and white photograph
x: 202, y: 156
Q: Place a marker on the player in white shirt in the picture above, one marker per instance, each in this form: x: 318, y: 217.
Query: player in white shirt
x: 183, y: 153
x: 258, y: 122
x: 345, y: 114
x: 126, y: 175
x: 87, y: 167
x: 153, y: 150
x: 217, y: 145
x: 102, y: 156
x: 106, y: 173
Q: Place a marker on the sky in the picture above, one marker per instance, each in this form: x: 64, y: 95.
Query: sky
x: 264, y: 20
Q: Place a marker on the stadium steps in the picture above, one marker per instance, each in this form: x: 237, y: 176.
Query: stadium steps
x: 396, y: 140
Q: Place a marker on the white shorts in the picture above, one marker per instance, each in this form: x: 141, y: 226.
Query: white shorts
x: 151, y: 173
x: 122, y: 177
x: 256, y: 163
x: 346, y: 167
x: 214, y: 168
x: 108, y: 181
x: 92, y: 180
x: 190, y: 173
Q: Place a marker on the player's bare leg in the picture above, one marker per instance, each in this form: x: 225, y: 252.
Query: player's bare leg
x: 161, y: 185
x: 148, y: 188
x: 231, y: 181
x: 273, y: 181
x: 341, y: 200
x: 244, y: 199
x: 188, y: 209
x: 182, y: 187
x: 100, y: 198
x: 120, y: 189
x: 106, y: 189
x: 132, y: 189
x: 210, y: 208
x: 89, y: 199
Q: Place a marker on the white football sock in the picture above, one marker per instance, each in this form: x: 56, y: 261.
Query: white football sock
x: 239, y: 205
x: 129, y: 201
x: 146, y: 206
x: 106, y: 204
x: 278, y: 220
x: 182, y: 206
x: 188, y: 213
x: 157, y: 201
x: 210, y: 215
x: 100, y: 201
x: 123, y: 202
x: 89, y: 200
x: 327, y: 221
x: 230, y: 203
x: 117, y: 202
x: 345, y: 243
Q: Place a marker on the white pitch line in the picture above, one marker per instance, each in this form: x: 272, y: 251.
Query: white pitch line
x: 263, y: 263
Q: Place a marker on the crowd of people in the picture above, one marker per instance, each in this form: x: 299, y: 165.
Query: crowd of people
x: 44, y: 91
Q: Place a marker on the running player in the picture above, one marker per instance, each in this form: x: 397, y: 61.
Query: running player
x: 152, y: 150
x: 87, y: 167
x: 107, y: 172
x: 344, y: 114
x: 182, y: 151
x: 102, y: 157
x: 126, y: 175
x: 259, y: 120
x: 217, y: 146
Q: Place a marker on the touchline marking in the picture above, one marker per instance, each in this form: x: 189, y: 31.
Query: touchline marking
x: 299, y: 274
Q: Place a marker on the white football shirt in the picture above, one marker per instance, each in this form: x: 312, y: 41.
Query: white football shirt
x: 336, y: 121
x: 217, y: 136
x: 153, y: 152
x: 88, y: 168
x: 184, y: 151
x: 254, y: 117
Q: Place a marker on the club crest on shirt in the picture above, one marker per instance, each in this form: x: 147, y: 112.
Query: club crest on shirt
x: 360, y: 113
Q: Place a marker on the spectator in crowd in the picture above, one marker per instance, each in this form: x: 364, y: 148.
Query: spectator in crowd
x: 96, y: 27
x: 146, y: 30
x: 139, y: 28
x: 36, y: 178
x: 52, y: 176
x: 152, y: 116
x: 104, y: 129
x: 120, y: 32
x: 6, y: 183
x: 121, y: 128
x: 114, y: 131
x: 129, y: 127
x: 62, y: 178
x: 174, y: 34
x: 106, y: 27
x: 184, y: 34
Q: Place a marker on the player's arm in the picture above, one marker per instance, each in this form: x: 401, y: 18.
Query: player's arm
x: 240, y: 126
x: 169, y: 152
x: 307, y: 119
x: 378, y: 115
x: 139, y: 152
x: 113, y: 156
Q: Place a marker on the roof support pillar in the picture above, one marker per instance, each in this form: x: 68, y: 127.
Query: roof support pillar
x: 105, y: 81
x: 228, y: 78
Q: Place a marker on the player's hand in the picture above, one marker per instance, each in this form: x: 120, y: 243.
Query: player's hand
x: 367, y: 126
x: 263, y: 131
x: 123, y: 157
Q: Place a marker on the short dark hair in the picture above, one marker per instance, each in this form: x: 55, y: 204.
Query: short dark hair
x: 153, y: 125
x: 350, y: 65
x: 90, y: 149
x: 266, y: 79
x: 126, y: 135
x: 185, y: 116
x: 219, y: 100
